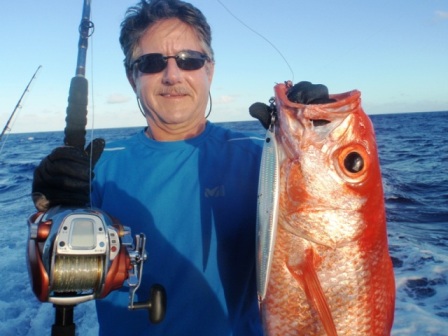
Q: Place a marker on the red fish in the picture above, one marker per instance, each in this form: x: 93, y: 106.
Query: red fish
x: 329, y: 271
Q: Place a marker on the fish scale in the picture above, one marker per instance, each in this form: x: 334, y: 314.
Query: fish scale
x: 329, y: 270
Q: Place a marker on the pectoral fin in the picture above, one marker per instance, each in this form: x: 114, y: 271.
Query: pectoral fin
x: 314, y: 292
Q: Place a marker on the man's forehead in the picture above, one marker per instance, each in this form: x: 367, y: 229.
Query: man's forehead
x: 169, y: 34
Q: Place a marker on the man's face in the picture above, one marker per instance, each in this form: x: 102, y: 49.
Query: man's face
x: 173, y: 98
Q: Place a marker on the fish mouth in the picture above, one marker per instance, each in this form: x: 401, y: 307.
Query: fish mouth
x: 304, y: 125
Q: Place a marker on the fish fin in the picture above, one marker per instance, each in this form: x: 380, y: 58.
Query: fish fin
x: 314, y: 292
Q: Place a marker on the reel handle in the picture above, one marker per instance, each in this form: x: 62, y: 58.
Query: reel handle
x: 156, y: 304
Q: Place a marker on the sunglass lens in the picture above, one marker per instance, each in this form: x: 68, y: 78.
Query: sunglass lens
x: 152, y: 63
x: 190, y: 63
x: 190, y: 60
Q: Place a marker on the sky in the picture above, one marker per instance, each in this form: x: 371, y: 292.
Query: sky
x: 394, y: 52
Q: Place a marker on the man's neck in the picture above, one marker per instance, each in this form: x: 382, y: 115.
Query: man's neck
x: 175, y: 132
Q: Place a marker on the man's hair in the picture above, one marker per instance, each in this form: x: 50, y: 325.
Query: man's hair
x: 147, y: 12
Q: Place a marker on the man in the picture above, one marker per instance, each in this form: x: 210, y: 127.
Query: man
x: 189, y: 185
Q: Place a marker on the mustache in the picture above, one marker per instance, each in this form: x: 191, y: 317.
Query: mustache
x: 177, y: 90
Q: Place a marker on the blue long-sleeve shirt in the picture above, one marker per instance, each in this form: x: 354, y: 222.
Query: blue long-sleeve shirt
x: 195, y: 200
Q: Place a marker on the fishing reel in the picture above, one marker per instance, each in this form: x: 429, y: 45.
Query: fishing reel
x: 76, y: 255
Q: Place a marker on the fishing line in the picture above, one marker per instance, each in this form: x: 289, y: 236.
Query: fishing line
x: 259, y: 35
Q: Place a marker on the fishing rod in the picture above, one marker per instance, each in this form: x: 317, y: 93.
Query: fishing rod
x: 7, y: 128
x: 76, y: 118
x: 75, y: 131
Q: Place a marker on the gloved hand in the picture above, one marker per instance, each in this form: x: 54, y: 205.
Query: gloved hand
x: 63, y: 177
x: 308, y: 93
x: 302, y: 92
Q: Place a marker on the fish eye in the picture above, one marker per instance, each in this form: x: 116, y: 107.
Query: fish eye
x: 354, y: 162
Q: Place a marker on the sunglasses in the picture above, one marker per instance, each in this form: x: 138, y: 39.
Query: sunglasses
x: 185, y: 60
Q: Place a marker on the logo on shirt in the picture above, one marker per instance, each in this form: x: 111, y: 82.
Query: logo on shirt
x: 218, y: 191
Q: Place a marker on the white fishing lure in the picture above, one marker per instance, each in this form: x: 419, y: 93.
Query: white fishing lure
x: 267, y: 211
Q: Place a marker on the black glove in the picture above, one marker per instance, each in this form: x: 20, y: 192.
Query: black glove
x: 302, y: 92
x: 262, y: 112
x: 308, y: 93
x: 63, y: 177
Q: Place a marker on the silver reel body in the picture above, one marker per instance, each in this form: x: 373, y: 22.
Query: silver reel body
x: 76, y: 255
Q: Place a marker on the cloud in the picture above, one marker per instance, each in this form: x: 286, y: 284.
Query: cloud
x: 117, y: 98
x: 224, y: 99
x: 441, y: 15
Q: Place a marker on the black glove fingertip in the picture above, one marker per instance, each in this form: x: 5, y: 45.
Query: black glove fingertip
x: 95, y: 148
x: 307, y: 93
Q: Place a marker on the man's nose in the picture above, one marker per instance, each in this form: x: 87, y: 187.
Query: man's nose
x: 172, y: 73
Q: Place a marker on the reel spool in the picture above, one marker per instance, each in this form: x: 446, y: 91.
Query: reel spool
x: 76, y: 255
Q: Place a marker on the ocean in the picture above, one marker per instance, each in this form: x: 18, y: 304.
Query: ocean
x: 413, y: 149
